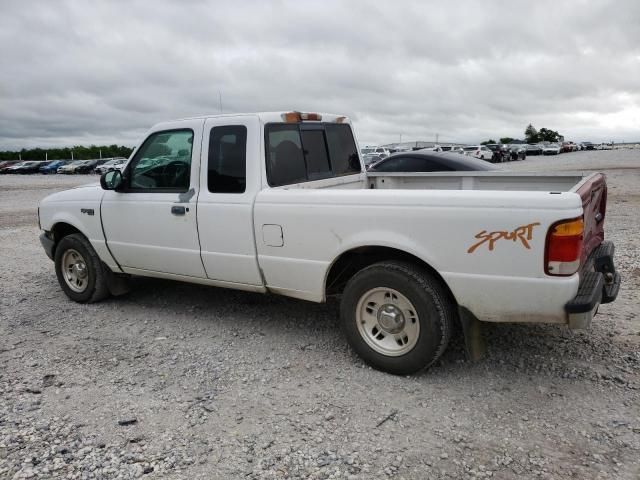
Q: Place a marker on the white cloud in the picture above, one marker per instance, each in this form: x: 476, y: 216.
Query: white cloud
x: 103, y: 72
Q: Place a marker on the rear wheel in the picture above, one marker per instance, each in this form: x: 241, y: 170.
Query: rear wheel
x: 397, y: 317
x: 79, y: 270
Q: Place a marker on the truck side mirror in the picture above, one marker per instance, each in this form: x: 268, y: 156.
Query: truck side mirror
x: 111, y: 180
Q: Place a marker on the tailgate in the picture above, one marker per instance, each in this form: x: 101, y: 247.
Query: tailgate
x: 593, y: 193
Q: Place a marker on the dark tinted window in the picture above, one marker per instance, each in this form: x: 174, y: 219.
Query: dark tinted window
x: 302, y: 152
x: 227, y: 159
x: 342, y: 149
x: 316, y: 154
x: 285, y: 162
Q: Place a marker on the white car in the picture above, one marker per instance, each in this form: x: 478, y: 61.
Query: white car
x: 236, y: 202
x: 604, y: 146
x: 383, y: 152
x: 551, y: 149
x: 479, y: 151
x: 114, y: 164
x: 71, y: 167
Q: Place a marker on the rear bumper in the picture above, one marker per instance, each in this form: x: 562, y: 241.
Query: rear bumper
x: 599, y: 283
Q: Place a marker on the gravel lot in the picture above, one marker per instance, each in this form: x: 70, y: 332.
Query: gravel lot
x: 180, y: 381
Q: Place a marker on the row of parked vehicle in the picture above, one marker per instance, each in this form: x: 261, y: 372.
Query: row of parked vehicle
x: 492, y: 152
x: 63, y: 166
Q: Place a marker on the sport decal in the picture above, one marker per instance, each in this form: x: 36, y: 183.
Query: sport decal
x: 523, y: 233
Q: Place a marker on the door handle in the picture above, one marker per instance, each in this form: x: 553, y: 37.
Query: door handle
x: 176, y: 210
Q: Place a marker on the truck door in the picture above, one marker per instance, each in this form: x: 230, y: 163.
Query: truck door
x: 229, y: 181
x: 150, y: 223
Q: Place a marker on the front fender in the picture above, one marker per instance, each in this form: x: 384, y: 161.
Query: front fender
x: 80, y: 209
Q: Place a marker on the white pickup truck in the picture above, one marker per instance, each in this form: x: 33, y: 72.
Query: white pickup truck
x: 279, y: 203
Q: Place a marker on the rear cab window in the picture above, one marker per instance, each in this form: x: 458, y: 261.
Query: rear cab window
x: 227, y: 163
x: 302, y: 152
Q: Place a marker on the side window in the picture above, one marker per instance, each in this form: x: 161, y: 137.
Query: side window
x: 342, y: 149
x: 285, y: 162
x: 162, y: 163
x: 227, y: 166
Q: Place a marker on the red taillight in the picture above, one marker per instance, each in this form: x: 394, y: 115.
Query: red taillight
x: 564, y: 247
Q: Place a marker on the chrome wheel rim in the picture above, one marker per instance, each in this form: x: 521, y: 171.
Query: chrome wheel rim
x: 387, y: 321
x: 74, y: 271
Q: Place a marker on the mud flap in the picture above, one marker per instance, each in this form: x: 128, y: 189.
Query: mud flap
x: 474, y: 341
x: 117, y: 284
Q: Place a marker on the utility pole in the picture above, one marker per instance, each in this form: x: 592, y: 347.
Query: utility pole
x: 72, y: 155
x: 400, y: 138
x: 437, y: 135
x: 20, y: 156
x: 100, y: 154
x: 46, y: 156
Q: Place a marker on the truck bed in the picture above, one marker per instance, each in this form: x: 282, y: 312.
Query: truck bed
x: 501, y: 181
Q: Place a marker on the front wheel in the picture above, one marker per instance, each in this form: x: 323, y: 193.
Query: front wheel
x: 79, y: 270
x: 397, y: 317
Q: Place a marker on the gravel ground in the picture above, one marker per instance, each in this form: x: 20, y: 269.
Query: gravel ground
x: 181, y: 381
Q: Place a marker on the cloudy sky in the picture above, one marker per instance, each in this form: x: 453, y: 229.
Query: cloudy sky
x: 95, y: 72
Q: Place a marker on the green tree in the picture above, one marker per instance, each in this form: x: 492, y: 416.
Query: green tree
x: 531, y: 134
x: 547, y: 135
x: 506, y: 140
x: 491, y: 140
x: 79, y: 153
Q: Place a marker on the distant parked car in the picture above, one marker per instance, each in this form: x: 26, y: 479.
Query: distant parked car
x: 499, y: 154
x: 6, y: 168
x: 551, y: 149
x: 534, y: 149
x: 6, y: 164
x: 517, y: 151
x: 114, y: 164
x: 30, y: 167
x: 78, y: 166
x: 479, y: 151
x: 401, y: 149
x: 371, y: 158
x: 17, y: 167
x: 51, y: 167
x: 429, y: 161
x: 588, y: 146
x: 88, y: 166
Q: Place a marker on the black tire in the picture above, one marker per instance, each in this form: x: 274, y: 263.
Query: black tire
x: 436, y: 314
x: 96, y: 285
